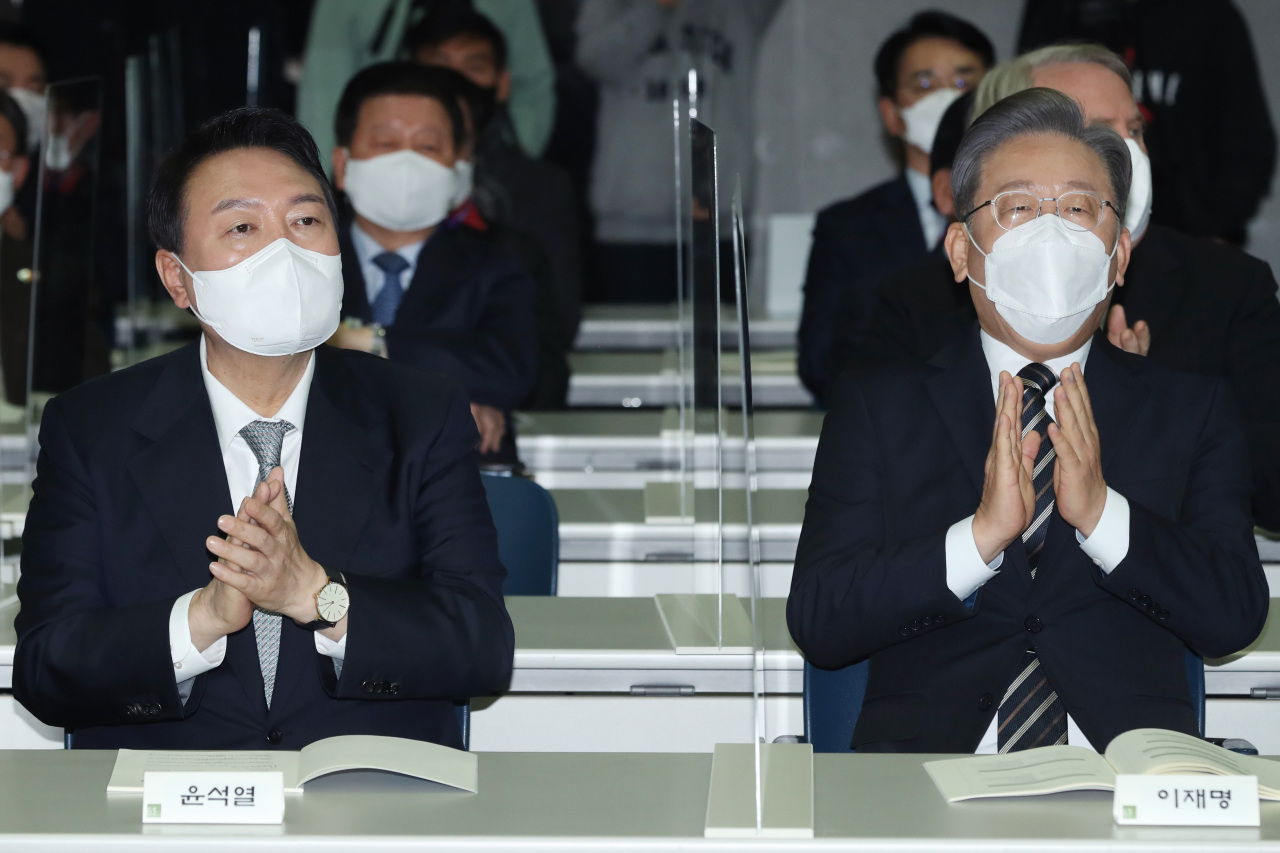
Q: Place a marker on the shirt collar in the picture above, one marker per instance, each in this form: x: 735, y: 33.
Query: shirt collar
x: 231, y: 414
x: 368, y: 248
x: 932, y: 223
x: 1001, y: 356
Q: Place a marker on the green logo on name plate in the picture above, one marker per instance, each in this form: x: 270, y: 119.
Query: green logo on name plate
x: 153, y: 810
x: 1130, y: 812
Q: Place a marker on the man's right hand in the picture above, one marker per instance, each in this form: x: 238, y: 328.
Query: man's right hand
x: 1008, y: 495
x: 492, y: 424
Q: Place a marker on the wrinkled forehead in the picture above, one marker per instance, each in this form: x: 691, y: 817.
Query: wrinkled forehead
x: 1044, y: 164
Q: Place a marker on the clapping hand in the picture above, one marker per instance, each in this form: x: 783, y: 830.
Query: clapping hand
x: 1008, y: 495
x: 1078, y: 484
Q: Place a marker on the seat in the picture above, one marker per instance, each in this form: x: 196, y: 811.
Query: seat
x: 463, y: 711
x: 528, y: 526
x: 833, y: 701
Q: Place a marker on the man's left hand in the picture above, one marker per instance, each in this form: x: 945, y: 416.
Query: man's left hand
x: 1078, y: 484
x: 269, y: 565
x: 1136, y: 340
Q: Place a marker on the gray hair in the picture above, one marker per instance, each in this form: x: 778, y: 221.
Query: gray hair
x: 1036, y: 112
x: 1018, y: 74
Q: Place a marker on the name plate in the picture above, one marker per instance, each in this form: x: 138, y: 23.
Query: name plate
x: 1190, y: 800
x: 212, y: 797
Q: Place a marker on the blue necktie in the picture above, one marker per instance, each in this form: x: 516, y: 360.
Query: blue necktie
x: 387, y: 301
x: 1031, y: 714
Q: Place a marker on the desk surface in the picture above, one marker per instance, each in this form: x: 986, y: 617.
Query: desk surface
x: 583, y: 801
x: 636, y: 379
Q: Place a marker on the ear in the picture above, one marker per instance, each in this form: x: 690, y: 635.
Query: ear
x: 339, y: 160
x: 956, y: 244
x: 503, y: 90
x: 942, y: 198
x: 890, y: 117
x: 21, y: 167
x: 1122, y: 257
x: 173, y: 277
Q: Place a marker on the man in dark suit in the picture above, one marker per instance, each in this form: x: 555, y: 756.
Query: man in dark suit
x: 368, y: 610
x: 1187, y: 303
x: 426, y: 291
x: 1031, y: 572
x: 856, y: 242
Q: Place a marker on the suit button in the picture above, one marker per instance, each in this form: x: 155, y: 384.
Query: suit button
x: 904, y: 632
x: 152, y: 710
x: 1033, y: 625
x: 916, y: 625
x: 984, y: 701
x: 927, y: 621
x: 1153, y: 608
x: 1162, y: 615
x: 367, y: 687
x: 393, y: 688
x: 1133, y: 593
x: 939, y: 618
x: 275, y: 736
x: 1144, y: 599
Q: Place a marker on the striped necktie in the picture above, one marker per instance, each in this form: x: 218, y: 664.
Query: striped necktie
x: 265, y: 438
x: 1031, y: 714
x: 387, y: 302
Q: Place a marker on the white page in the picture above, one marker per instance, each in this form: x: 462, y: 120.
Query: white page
x: 1038, y: 771
x: 416, y: 758
x: 126, y: 776
x: 1159, y: 751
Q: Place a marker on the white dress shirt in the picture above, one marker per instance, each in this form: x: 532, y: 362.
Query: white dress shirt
x: 230, y: 415
x: 932, y: 223
x: 368, y: 248
x: 1107, y: 546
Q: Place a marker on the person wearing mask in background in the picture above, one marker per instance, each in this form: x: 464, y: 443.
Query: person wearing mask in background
x: 638, y: 50
x: 356, y: 587
x: 345, y: 36
x: 1196, y: 80
x: 920, y: 70
x: 24, y: 75
x: 508, y: 187
x: 1026, y: 534
x: 1189, y: 303
x: 426, y: 292
x: 15, y: 251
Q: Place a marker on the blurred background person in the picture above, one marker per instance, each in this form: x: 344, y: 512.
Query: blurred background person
x: 15, y: 251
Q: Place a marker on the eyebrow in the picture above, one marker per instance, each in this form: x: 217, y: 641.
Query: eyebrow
x: 1029, y: 187
x: 248, y: 204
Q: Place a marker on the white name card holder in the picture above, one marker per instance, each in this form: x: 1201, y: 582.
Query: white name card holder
x: 1187, y: 800
x: 786, y: 792
x: 213, y: 797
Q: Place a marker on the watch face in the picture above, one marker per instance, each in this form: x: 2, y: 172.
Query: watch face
x: 332, y: 602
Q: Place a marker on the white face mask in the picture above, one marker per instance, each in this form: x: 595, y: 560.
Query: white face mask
x: 1138, y: 211
x: 281, y: 300
x: 924, y: 116
x: 402, y: 191
x: 465, y: 170
x: 1045, y: 279
x: 35, y: 107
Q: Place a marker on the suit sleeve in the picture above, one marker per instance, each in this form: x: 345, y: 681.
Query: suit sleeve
x: 852, y: 591
x: 826, y: 272
x: 80, y: 660
x: 496, y: 361
x: 451, y: 615
x: 1199, y: 575
x: 1253, y: 364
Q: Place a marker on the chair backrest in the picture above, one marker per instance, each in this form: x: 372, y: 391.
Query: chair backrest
x: 833, y: 701
x: 528, y: 528
x: 463, y: 711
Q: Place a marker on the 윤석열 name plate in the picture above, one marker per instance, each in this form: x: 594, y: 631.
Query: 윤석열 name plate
x: 213, y: 797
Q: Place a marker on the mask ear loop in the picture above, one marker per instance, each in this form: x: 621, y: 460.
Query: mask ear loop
x: 969, y: 234
x: 192, y: 306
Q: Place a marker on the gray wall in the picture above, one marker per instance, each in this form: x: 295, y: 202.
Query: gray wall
x: 818, y: 132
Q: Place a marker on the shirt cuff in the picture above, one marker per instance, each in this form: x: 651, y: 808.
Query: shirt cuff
x: 187, y: 662
x: 331, y: 649
x: 966, y: 570
x: 1109, y: 543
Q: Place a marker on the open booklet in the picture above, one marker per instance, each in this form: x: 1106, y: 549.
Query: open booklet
x: 420, y: 759
x: 1050, y: 769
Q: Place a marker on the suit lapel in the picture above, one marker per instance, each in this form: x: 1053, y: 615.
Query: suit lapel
x: 355, y: 296
x: 444, y: 267
x: 961, y: 392
x: 899, y: 223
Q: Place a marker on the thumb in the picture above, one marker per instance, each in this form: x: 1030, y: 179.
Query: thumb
x: 1030, y: 448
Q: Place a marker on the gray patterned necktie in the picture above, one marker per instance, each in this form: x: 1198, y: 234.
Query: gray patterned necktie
x: 265, y: 438
x: 1031, y: 714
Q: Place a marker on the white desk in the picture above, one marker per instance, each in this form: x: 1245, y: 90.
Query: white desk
x: 643, y: 379
x: 585, y: 802
x: 654, y: 327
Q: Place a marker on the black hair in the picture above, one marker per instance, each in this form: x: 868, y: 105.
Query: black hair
x: 246, y: 127
x: 449, y: 21
x: 20, y: 36
x: 398, y: 78
x: 950, y: 131
x: 928, y: 24
x: 12, y: 113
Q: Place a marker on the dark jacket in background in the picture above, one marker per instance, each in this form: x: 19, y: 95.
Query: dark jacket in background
x: 1196, y: 78
x: 1212, y: 310
x: 856, y: 243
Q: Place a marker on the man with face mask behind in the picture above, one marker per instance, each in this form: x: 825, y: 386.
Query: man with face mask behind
x: 428, y: 292
x: 1188, y: 303
x: 920, y: 70
x: 1026, y: 556
x: 15, y: 252
x: 356, y: 587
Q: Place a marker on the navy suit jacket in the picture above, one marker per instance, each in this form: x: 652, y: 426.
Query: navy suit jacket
x: 856, y: 243
x: 131, y: 482
x: 1212, y: 310
x: 901, y: 459
x: 468, y: 314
